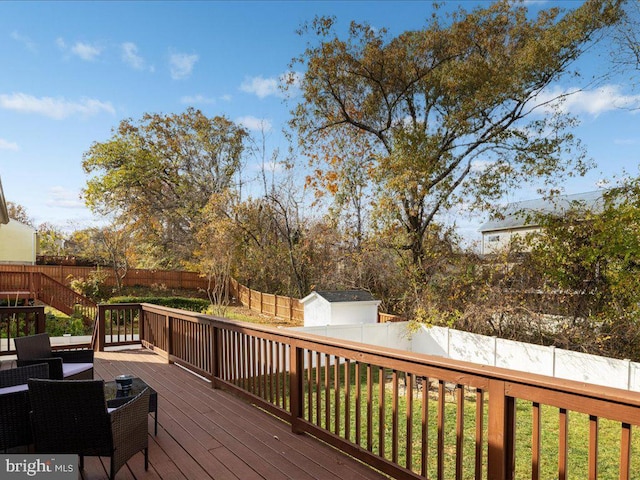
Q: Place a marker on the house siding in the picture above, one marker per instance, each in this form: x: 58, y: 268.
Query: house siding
x: 498, y: 240
x: 18, y: 243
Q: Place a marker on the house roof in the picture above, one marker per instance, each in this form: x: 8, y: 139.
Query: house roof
x: 4, y: 214
x: 520, y: 214
x: 343, y: 296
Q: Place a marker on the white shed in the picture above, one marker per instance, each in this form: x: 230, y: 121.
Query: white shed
x: 348, y: 307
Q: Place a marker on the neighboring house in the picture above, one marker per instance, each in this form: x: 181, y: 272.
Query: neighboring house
x: 18, y: 242
x: 519, y: 219
x: 350, y: 307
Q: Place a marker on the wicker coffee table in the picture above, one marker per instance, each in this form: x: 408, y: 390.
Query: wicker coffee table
x: 116, y: 398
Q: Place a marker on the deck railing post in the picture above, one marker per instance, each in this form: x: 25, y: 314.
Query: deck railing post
x: 100, y: 329
x: 142, y: 334
x: 215, y: 355
x: 296, y: 379
x: 501, y: 433
x: 40, y: 320
x: 168, y: 325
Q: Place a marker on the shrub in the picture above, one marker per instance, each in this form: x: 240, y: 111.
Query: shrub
x: 92, y: 286
x: 199, y: 305
x: 58, y: 326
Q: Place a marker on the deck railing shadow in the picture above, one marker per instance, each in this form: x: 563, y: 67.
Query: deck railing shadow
x: 408, y: 415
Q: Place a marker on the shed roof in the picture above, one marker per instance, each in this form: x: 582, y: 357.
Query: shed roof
x: 343, y: 296
x: 519, y: 214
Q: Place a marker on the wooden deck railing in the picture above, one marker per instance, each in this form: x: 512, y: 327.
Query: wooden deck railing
x: 408, y: 415
x: 19, y: 322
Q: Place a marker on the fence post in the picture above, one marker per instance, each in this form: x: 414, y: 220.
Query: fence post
x: 290, y: 308
x: 296, y: 379
x: 501, y: 433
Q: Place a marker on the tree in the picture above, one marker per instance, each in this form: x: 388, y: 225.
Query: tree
x: 51, y: 239
x: 111, y: 245
x: 592, y: 257
x: 19, y: 213
x: 346, y: 176
x: 627, y: 38
x: 158, y: 175
x: 452, y: 112
x: 216, y: 250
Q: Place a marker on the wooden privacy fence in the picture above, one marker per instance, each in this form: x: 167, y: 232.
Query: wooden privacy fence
x: 408, y: 415
x: 288, y: 308
x: 134, y: 277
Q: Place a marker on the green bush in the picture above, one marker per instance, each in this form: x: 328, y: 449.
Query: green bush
x: 199, y: 305
x: 58, y: 326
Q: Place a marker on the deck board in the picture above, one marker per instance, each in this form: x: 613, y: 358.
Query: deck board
x: 210, y: 434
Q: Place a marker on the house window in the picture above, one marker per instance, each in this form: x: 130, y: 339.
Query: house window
x: 494, y: 238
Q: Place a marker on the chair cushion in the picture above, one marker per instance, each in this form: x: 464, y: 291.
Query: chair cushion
x: 13, y: 389
x: 70, y: 369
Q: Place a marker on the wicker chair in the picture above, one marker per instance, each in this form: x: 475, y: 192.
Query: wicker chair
x: 71, y: 416
x: 69, y: 365
x: 15, y: 430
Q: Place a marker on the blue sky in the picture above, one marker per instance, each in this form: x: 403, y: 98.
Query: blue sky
x: 71, y: 71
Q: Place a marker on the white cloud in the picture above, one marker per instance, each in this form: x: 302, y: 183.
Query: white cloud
x: 181, y: 64
x: 61, y: 43
x: 86, y: 51
x: 481, y: 165
x: 254, y: 123
x: 64, y: 198
x: 226, y: 98
x: 7, y: 145
x: 590, y: 102
x: 625, y: 141
x: 197, y: 99
x: 131, y: 57
x: 56, y: 108
x: 26, y: 41
x: 264, y: 87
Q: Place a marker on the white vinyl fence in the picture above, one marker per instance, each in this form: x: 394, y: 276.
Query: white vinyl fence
x: 458, y: 345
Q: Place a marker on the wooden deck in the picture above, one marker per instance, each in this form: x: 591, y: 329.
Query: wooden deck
x: 210, y: 434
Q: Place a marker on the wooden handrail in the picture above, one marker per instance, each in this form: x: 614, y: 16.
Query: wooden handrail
x: 16, y: 321
x: 350, y: 395
x: 44, y: 288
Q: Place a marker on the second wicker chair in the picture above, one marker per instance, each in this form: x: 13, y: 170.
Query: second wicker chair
x: 71, y: 416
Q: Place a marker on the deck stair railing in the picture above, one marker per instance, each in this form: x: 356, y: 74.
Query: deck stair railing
x: 38, y: 286
x: 408, y: 415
